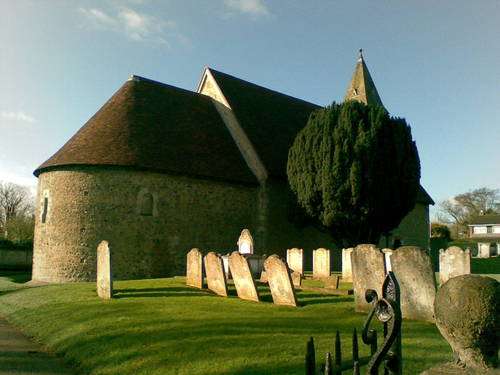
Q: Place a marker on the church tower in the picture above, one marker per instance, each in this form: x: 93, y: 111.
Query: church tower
x: 361, y: 87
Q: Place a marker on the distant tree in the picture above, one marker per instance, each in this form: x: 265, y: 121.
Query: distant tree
x: 355, y: 171
x: 439, y: 230
x: 16, y: 206
x: 460, y: 209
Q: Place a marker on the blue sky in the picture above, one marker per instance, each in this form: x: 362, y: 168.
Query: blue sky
x: 435, y: 63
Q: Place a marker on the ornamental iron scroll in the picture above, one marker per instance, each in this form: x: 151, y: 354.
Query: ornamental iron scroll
x: 388, y: 311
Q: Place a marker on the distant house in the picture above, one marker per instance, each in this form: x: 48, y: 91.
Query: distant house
x: 486, y: 230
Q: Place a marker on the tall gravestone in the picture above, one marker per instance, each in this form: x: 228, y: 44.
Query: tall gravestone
x: 104, y: 271
x: 368, y: 272
x: 347, y: 265
x: 245, y: 242
x: 216, y: 278
x: 453, y: 262
x: 194, y: 268
x: 280, y: 281
x: 412, y: 267
x: 321, y: 263
x: 387, y: 259
x: 295, y: 260
x: 242, y: 277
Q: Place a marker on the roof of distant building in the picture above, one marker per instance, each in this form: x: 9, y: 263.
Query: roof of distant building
x: 485, y: 219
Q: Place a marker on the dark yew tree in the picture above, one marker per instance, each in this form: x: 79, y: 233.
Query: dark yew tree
x: 355, y: 171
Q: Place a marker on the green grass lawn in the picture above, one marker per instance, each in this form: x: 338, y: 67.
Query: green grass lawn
x: 160, y: 326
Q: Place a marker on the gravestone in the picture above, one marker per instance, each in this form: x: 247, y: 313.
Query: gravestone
x: 216, y: 278
x: 242, y: 277
x: 194, y: 268
x: 412, y: 267
x: 347, y: 265
x: 104, y: 271
x: 483, y: 249
x: 296, y: 279
x: 368, y: 272
x: 225, y: 263
x: 467, y: 316
x: 263, y: 277
x: 256, y: 263
x: 331, y: 282
x: 295, y: 260
x: 453, y: 262
x: 321, y: 263
x: 245, y: 242
x: 387, y: 259
x: 280, y: 281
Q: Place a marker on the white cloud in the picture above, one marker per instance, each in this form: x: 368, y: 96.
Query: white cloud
x: 17, y: 116
x: 251, y: 7
x: 134, y: 25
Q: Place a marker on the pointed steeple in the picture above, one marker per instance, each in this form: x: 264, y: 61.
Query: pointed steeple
x: 362, y: 87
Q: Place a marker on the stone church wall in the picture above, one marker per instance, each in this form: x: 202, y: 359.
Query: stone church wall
x: 90, y: 204
x: 414, y: 229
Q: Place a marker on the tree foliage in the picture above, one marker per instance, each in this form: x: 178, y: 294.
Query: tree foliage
x: 355, y: 171
x: 16, y: 212
x: 439, y: 230
x: 460, y: 209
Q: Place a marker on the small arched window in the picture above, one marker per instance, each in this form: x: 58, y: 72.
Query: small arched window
x: 146, y: 204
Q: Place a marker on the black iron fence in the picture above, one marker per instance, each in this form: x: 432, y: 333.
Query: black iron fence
x: 388, y: 311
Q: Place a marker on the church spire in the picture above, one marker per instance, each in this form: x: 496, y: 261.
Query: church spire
x: 362, y: 87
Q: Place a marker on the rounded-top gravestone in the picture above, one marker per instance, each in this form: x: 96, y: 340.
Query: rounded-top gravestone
x: 467, y: 312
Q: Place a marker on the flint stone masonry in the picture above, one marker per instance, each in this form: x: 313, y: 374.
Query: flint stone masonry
x: 104, y: 271
x: 194, y: 268
x: 280, y: 281
x: 295, y: 260
x: 368, y: 268
x: 321, y: 263
x: 412, y: 267
x: 216, y: 278
x: 242, y: 277
x: 467, y: 315
x: 347, y: 265
x: 453, y: 262
x: 89, y: 203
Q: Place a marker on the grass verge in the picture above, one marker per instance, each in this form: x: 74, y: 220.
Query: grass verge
x: 160, y: 326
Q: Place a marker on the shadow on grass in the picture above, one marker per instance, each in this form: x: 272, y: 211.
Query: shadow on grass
x: 324, y: 299
x: 18, y: 277
x: 159, y: 292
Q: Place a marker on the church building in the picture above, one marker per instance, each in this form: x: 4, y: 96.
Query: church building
x: 159, y: 170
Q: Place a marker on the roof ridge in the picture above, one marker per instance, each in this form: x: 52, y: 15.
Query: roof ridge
x: 262, y: 87
x: 137, y: 78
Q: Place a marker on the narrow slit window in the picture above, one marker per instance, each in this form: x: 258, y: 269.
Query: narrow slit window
x: 45, y: 209
x: 147, y: 203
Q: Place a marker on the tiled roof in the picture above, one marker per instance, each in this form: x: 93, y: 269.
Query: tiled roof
x: 153, y: 126
x: 486, y: 219
x: 270, y: 119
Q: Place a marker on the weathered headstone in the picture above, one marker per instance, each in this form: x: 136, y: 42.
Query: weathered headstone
x: 216, y: 278
x: 194, y: 268
x: 280, y: 281
x: 225, y: 263
x: 263, y: 277
x: 453, y: 262
x: 347, y: 265
x: 331, y: 282
x: 321, y: 263
x: 368, y: 272
x: 256, y: 263
x: 295, y: 260
x: 296, y: 279
x: 387, y: 259
x: 413, y: 269
x: 104, y: 271
x: 467, y: 315
x: 242, y: 277
x: 245, y: 242
x: 483, y: 249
